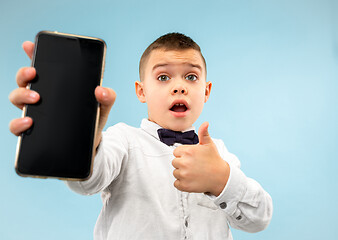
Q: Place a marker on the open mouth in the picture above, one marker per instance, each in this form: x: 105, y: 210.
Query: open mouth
x: 179, y: 107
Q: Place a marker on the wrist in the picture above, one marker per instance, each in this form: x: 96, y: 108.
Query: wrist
x: 221, y: 177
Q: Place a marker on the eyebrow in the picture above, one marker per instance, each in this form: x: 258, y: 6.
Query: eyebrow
x: 166, y: 64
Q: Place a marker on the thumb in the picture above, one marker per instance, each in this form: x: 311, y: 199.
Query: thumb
x: 106, y: 98
x: 28, y: 47
x: 203, y: 134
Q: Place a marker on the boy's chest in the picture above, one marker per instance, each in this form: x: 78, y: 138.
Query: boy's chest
x: 145, y: 189
x: 149, y: 173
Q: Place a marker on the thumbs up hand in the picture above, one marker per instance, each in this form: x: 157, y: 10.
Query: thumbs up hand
x: 200, y: 168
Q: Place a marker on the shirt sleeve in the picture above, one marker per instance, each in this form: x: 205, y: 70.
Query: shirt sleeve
x: 111, y: 154
x: 247, y: 205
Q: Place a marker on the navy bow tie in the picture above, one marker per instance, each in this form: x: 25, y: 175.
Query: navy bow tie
x: 170, y: 137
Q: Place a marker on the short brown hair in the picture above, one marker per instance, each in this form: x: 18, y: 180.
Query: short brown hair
x: 169, y: 41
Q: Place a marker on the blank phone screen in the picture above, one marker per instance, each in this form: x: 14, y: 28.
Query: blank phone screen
x: 60, y: 142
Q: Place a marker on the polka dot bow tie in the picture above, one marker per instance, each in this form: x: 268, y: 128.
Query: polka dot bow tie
x: 170, y: 137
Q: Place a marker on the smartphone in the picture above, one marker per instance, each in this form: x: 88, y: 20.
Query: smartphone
x: 60, y: 142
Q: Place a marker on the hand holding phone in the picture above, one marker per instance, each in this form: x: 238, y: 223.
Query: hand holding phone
x: 20, y: 96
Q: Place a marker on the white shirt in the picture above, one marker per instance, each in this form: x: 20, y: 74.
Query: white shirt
x: 133, y: 170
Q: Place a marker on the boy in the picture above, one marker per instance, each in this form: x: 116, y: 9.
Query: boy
x: 162, y: 184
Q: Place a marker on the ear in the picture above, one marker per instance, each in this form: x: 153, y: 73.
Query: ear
x: 140, y: 92
x: 207, y: 91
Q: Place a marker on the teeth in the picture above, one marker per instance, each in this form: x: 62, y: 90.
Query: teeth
x: 179, y: 104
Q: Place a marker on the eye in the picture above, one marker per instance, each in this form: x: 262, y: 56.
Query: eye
x: 163, y: 78
x: 191, y: 77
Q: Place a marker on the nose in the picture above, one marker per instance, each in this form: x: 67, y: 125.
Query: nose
x: 179, y: 89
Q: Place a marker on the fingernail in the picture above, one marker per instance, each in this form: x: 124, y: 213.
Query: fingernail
x: 25, y: 120
x: 28, y: 71
x: 104, y: 93
x: 33, y: 95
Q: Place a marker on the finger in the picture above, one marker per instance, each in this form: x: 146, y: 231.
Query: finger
x: 25, y: 75
x: 28, y: 47
x: 181, y: 150
x: 177, y: 152
x: 182, y: 186
x: 176, y: 174
x: 177, y: 184
x: 184, y: 150
x: 203, y: 134
x: 19, y: 125
x: 175, y: 163
x: 106, y: 97
x: 21, y: 96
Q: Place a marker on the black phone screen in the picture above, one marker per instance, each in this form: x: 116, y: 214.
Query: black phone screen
x: 60, y: 142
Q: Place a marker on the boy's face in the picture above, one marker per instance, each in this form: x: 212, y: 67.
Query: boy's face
x: 174, y: 87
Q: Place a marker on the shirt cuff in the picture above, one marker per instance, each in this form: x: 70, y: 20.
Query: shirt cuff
x: 233, y: 191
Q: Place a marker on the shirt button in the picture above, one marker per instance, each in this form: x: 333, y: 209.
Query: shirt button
x: 223, y: 205
x: 186, y: 223
x: 239, y: 217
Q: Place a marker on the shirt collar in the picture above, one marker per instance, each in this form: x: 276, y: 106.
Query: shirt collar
x: 151, y: 128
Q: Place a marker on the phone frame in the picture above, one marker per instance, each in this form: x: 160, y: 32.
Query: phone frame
x: 24, y: 110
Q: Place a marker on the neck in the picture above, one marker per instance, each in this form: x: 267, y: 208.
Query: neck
x: 173, y: 129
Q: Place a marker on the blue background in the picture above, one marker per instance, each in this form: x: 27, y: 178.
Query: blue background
x: 274, y: 66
